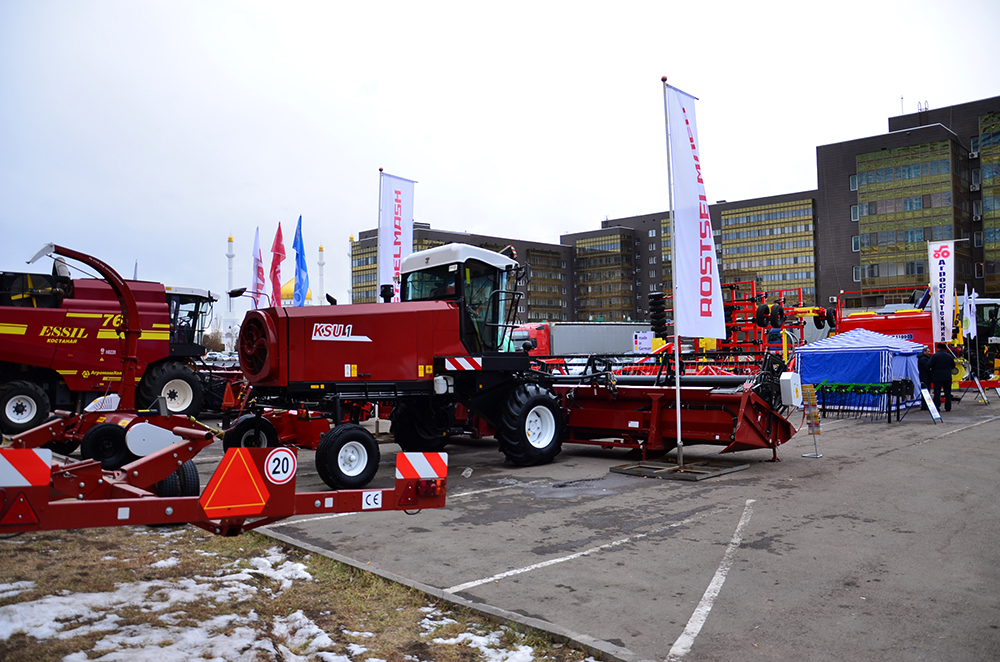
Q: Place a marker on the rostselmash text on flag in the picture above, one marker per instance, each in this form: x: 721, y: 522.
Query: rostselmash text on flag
x: 257, y: 279
x: 301, y: 271
x: 941, y: 258
x: 395, y: 229
x: 698, y: 308
x: 277, y: 257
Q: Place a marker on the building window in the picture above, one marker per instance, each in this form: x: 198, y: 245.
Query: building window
x: 857, y: 274
x: 652, y: 233
x: 974, y: 144
x: 977, y: 207
x: 652, y: 260
x: 977, y: 238
x: 979, y: 269
x: 977, y: 176
x: 856, y: 244
x: 854, y: 212
x: 652, y: 247
x: 854, y: 182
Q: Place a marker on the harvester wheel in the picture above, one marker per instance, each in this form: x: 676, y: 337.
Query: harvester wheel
x: 531, y: 426
x: 241, y: 435
x: 177, y: 383
x: 23, y: 405
x: 831, y: 318
x: 105, y: 443
x: 415, y: 436
x: 347, y: 457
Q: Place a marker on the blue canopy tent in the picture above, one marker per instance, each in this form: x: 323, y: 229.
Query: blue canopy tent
x: 860, y: 356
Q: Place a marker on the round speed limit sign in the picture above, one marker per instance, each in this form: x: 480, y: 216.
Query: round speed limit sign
x: 280, y: 466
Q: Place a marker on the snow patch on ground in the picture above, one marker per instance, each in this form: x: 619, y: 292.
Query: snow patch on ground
x: 224, y: 638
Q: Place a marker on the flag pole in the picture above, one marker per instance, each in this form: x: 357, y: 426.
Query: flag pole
x: 673, y: 280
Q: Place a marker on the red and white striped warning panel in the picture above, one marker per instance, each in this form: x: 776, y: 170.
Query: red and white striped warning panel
x: 421, y: 465
x: 25, y: 467
x: 463, y: 363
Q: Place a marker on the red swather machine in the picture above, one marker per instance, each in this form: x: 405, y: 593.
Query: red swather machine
x: 438, y: 359
x: 159, y: 483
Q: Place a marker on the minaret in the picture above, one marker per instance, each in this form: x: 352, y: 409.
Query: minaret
x: 321, y: 299
x: 229, y: 326
x: 230, y: 255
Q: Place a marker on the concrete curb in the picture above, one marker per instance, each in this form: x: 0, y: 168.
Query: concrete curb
x: 600, y: 649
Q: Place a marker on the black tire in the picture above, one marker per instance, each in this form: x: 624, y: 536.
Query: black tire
x: 23, y: 405
x: 760, y: 317
x: 105, y: 443
x: 414, y: 435
x: 831, y: 318
x: 177, y: 383
x: 777, y: 316
x: 241, y: 435
x: 184, y: 482
x: 820, y: 319
x: 347, y: 457
x: 531, y: 426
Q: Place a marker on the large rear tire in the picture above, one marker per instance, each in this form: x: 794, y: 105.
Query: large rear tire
x: 23, y: 405
x: 531, y: 426
x: 177, y: 383
x: 347, y: 457
x: 105, y: 443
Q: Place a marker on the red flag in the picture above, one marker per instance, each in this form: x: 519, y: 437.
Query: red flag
x: 277, y: 257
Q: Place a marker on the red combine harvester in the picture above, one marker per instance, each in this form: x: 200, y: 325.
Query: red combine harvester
x: 60, y: 346
x: 251, y: 487
x: 438, y: 359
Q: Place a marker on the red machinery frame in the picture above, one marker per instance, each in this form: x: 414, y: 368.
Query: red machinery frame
x: 80, y: 495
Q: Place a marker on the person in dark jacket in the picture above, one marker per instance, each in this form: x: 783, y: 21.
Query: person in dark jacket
x: 923, y: 366
x: 940, y: 366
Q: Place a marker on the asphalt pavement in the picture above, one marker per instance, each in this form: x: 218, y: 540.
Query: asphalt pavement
x: 883, y: 549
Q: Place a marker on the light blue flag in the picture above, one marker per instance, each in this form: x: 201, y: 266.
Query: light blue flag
x: 301, y: 272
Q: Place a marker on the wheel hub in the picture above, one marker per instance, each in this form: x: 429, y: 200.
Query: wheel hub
x: 21, y: 409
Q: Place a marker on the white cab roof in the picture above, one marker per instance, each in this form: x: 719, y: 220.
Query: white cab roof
x: 452, y: 253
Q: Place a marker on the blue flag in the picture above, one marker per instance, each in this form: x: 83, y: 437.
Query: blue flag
x: 301, y: 272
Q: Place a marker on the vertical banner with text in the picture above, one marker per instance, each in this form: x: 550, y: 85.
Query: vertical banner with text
x: 395, y: 230
x: 941, y: 263
x: 697, y: 296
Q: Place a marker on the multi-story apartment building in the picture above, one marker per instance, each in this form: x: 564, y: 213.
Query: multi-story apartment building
x: 769, y: 241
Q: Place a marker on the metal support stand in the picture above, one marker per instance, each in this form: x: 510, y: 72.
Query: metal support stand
x: 692, y: 470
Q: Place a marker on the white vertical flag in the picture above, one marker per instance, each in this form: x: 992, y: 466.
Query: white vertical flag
x: 697, y: 295
x: 941, y: 259
x: 972, y: 314
x: 257, y: 280
x: 395, y: 230
x: 966, y: 302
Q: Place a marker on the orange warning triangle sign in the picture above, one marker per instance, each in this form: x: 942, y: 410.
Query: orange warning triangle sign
x: 228, y: 399
x: 236, y: 488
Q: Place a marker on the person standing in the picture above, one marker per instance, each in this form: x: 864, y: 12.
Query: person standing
x: 941, y: 366
x: 923, y: 366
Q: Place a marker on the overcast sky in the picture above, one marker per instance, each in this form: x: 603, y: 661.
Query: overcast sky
x: 151, y: 131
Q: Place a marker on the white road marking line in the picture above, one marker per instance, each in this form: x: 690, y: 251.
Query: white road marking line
x: 586, y: 552
x: 686, y: 640
x: 988, y: 420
